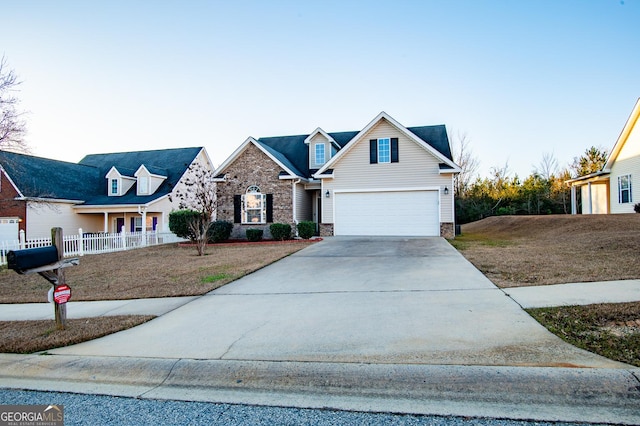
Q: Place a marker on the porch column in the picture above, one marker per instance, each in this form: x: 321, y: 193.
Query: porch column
x: 590, y: 210
x: 574, y: 201
x: 144, y: 227
x: 106, y: 222
x: 163, y: 227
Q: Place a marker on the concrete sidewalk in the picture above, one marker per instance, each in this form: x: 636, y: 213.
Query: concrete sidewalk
x: 527, y: 297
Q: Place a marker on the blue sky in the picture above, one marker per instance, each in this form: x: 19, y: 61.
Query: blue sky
x: 519, y: 78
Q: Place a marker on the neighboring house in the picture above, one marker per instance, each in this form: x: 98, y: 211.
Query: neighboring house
x: 101, y: 193
x: 385, y: 179
x: 616, y: 188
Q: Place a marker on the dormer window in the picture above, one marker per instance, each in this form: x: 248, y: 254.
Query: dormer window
x: 114, y: 187
x: 320, y: 157
x: 143, y: 185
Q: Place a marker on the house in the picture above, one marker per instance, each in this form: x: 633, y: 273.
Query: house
x: 385, y: 179
x: 615, y: 188
x: 101, y: 193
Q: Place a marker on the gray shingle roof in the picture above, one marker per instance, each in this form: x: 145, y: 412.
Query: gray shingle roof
x: 293, y: 153
x: 46, y: 178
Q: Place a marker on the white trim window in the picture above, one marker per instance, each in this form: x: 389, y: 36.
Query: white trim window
x: 254, y: 206
x: 320, y: 153
x: 114, y: 187
x: 143, y: 185
x: 624, y: 189
x: 384, y: 150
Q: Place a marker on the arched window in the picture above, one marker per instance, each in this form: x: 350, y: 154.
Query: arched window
x: 254, y: 206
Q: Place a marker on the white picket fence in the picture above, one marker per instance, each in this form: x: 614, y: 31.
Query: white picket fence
x: 92, y: 243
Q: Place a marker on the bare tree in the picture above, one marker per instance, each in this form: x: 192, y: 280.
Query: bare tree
x: 463, y: 157
x: 12, y: 125
x: 199, y: 194
x: 548, y: 166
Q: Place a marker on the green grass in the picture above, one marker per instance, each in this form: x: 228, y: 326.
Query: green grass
x: 216, y: 277
x: 611, y: 330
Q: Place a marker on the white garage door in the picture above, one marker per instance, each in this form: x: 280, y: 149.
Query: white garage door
x: 401, y: 213
x: 8, y: 229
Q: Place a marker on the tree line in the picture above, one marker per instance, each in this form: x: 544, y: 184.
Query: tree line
x: 544, y: 191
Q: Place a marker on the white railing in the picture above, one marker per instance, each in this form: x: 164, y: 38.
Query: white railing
x: 92, y: 243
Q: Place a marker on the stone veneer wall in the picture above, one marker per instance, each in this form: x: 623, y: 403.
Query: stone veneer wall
x: 254, y: 167
x: 326, y: 229
x: 447, y: 230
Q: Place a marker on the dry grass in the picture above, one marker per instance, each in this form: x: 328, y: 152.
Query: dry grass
x: 160, y: 271
x: 24, y: 337
x: 515, y: 251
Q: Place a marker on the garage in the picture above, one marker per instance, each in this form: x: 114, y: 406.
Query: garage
x: 9, y: 228
x: 387, y: 213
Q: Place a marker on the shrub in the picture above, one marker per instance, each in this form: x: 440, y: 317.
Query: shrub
x: 306, y: 229
x: 254, y: 234
x: 219, y: 231
x: 179, y: 221
x: 636, y: 208
x: 280, y: 231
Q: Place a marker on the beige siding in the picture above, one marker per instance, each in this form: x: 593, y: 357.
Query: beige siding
x: 598, y: 198
x: 303, y: 204
x: 627, y: 163
x: 416, y: 168
x: 41, y: 217
x: 318, y: 138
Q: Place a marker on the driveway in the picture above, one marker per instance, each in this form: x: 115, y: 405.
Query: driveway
x: 353, y: 300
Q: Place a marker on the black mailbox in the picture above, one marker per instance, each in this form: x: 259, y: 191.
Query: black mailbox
x: 23, y: 260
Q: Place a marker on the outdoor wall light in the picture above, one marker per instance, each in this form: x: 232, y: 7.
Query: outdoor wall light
x: 446, y: 191
x: 327, y: 194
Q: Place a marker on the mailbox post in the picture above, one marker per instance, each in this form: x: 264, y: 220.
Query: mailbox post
x: 49, y: 263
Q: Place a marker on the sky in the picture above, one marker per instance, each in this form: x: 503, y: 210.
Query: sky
x: 520, y: 79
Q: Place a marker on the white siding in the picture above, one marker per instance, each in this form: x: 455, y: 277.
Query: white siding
x: 41, y: 217
x: 318, y: 138
x: 303, y: 204
x: 416, y: 168
x: 627, y: 163
x: 598, y: 199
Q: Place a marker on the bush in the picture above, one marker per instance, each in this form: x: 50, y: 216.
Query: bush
x: 636, y: 208
x: 254, y: 234
x: 306, y: 229
x: 280, y: 231
x: 179, y: 221
x: 219, y: 231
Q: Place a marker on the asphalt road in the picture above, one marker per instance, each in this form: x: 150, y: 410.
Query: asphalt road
x: 96, y: 410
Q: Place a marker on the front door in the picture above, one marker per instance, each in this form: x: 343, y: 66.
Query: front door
x: 119, y: 224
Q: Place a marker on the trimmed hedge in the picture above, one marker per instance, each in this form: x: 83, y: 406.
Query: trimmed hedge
x: 254, y: 234
x: 219, y: 231
x: 179, y: 223
x: 306, y: 229
x: 280, y: 231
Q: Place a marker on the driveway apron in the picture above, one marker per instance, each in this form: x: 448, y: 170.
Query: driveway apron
x: 353, y: 300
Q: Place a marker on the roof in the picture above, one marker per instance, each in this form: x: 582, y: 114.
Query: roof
x: 85, y: 181
x: 293, y: 153
x: 624, y: 135
x: 46, y: 178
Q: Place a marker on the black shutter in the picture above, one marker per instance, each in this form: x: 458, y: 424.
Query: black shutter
x: 269, y: 208
x: 373, y: 151
x: 237, y: 208
x: 394, y: 150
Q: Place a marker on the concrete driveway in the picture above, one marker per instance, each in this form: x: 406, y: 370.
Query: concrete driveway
x: 353, y: 300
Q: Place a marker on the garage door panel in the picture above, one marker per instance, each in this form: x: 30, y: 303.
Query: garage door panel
x: 401, y: 213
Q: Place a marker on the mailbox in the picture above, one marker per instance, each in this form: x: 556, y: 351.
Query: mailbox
x: 23, y: 260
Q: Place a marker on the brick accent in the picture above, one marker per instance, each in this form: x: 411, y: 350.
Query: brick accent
x: 326, y: 229
x: 447, y: 230
x: 9, y: 206
x: 254, y: 167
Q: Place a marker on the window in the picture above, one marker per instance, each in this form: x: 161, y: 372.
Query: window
x: 143, y: 185
x: 383, y: 150
x: 320, y: 153
x: 624, y: 189
x: 137, y: 227
x: 114, y: 186
x: 254, y: 206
